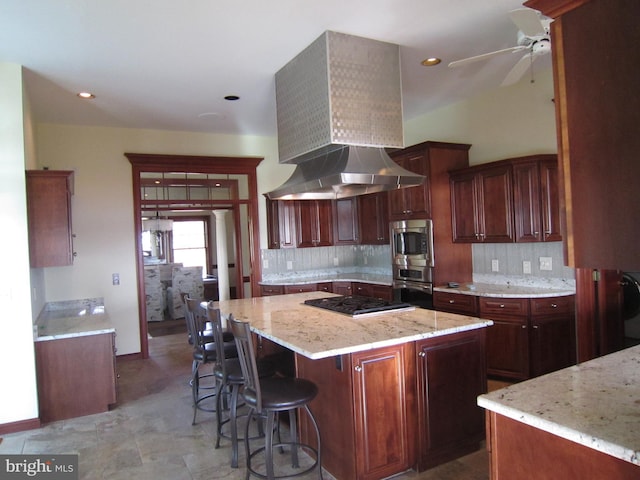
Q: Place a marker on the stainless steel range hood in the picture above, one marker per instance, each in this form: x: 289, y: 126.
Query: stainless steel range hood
x: 339, y: 105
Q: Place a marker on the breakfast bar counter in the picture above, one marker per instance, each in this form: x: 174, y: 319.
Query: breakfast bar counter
x: 397, y: 389
x: 316, y: 333
x: 579, y: 422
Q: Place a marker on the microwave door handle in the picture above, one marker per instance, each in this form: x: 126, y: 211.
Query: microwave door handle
x: 432, y: 261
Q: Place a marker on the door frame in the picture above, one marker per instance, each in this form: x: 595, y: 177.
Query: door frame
x: 145, y: 162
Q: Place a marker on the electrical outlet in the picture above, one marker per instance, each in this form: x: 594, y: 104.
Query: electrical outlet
x: 526, y: 267
x: 115, y: 278
x: 546, y: 263
x: 289, y: 265
x: 336, y: 262
x: 265, y: 263
x: 495, y: 265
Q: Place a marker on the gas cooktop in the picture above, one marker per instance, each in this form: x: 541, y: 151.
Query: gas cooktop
x: 356, y: 306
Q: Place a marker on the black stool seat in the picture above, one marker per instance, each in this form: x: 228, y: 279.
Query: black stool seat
x: 280, y: 393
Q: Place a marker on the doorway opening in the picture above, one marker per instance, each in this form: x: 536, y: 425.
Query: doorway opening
x: 177, y: 204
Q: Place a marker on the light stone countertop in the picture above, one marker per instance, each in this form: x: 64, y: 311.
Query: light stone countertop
x: 317, y: 333
x: 504, y: 291
x: 74, y: 318
x: 596, y: 404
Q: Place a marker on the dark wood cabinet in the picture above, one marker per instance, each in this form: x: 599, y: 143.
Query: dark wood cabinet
x: 536, y: 200
x: 342, y: 288
x: 324, y: 287
x: 76, y: 376
x: 314, y: 227
x: 451, y: 374
x: 305, y: 287
x: 49, y: 217
x: 345, y: 221
x: 362, y: 289
x: 482, y: 204
x: 384, y: 444
x: 456, y: 303
x: 268, y: 290
x: 552, y: 334
x: 373, y: 213
x: 508, y: 338
x: 281, y: 223
x: 411, y: 202
x: 597, y: 121
x: 427, y: 415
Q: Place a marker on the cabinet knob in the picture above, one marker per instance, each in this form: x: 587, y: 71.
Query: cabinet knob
x: 535, y: 233
x: 422, y: 354
x: 502, y: 305
x: 523, y: 326
x: 358, y: 368
x: 554, y: 305
x: 452, y: 301
x: 535, y: 326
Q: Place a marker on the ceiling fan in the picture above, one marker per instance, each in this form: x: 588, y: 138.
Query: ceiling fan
x: 533, y: 39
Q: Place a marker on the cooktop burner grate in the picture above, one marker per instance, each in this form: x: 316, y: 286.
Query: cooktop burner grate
x: 355, y: 305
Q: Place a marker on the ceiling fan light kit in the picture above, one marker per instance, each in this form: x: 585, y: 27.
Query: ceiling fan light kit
x: 532, y: 38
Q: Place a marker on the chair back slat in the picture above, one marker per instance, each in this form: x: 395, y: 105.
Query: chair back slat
x: 198, y: 320
x: 246, y: 353
x: 215, y: 319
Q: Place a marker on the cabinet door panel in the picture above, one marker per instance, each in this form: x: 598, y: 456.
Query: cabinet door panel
x: 374, y: 219
x: 495, y: 213
x: 314, y: 223
x: 306, y: 287
x: 381, y: 420
x: 552, y: 344
x: 508, y: 349
x: 464, y: 208
x: 342, y: 288
x: 526, y: 199
x: 345, y: 220
x: 451, y: 375
x: 549, y: 187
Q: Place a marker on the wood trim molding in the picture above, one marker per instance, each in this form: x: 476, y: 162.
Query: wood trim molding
x: 19, y: 426
x: 554, y: 8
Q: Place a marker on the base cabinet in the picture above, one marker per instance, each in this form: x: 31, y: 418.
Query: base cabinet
x: 76, y: 376
x: 387, y: 410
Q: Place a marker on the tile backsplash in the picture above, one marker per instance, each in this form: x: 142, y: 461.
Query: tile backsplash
x: 377, y: 259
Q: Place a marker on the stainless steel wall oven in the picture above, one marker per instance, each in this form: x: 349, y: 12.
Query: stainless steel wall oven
x: 413, y: 261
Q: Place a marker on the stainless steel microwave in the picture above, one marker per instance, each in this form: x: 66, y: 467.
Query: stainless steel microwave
x: 412, y: 243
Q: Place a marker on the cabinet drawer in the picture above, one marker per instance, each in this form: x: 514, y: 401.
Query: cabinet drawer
x: 268, y: 290
x: 306, y: 287
x: 518, y: 307
x: 455, y: 303
x: 552, y: 305
x: 324, y: 287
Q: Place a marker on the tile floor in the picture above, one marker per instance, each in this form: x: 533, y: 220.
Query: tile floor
x: 149, y: 435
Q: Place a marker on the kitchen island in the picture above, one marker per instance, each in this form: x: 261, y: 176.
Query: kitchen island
x: 397, y: 390
x: 579, y: 422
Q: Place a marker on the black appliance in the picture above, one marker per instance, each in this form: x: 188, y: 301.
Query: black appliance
x: 419, y: 294
x: 355, y: 305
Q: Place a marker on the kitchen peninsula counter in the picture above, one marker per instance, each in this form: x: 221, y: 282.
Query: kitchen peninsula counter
x: 505, y: 290
x: 317, y: 333
x: 583, y: 420
x: 396, y: 390
x: 73, y: 318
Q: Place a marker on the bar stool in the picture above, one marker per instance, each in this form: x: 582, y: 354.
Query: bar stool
x: 229, y: 379
x: 267, y: 397
x: 204, y: 352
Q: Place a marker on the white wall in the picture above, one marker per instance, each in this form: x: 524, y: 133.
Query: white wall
x: 502, y: 123
x: 102, y: 206
x: 19, y: 400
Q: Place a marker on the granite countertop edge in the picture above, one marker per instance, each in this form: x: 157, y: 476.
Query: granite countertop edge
x: 379, y: 279
x: 579, y: 404
x: 504, y: 291
x: 70, y: 319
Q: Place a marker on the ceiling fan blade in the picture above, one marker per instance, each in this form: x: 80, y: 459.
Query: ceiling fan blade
x: 484, y: 56
x: 528, y: 21
x: 519, y: 69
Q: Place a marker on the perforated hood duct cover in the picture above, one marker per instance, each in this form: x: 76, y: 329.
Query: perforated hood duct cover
x: 339, y: 105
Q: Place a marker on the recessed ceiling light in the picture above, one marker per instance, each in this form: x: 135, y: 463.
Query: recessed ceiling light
x: 86, y: 95
x: 431, y: 61
x: 232, y: 98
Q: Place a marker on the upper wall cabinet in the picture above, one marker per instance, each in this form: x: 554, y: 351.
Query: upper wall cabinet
x: 49, y: 216
x: 374, y: 218
x: 597, y: 117
x: 411, y: 202
x: 482, y: 204
x: 512, y: 200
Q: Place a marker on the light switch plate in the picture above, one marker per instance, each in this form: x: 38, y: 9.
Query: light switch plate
x: 289, y: 265
x: 495, y: 265
x: 546, y: 263
x: 526, y: 266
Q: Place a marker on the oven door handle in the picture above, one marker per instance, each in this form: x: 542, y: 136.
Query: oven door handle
x: 422, y: 287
